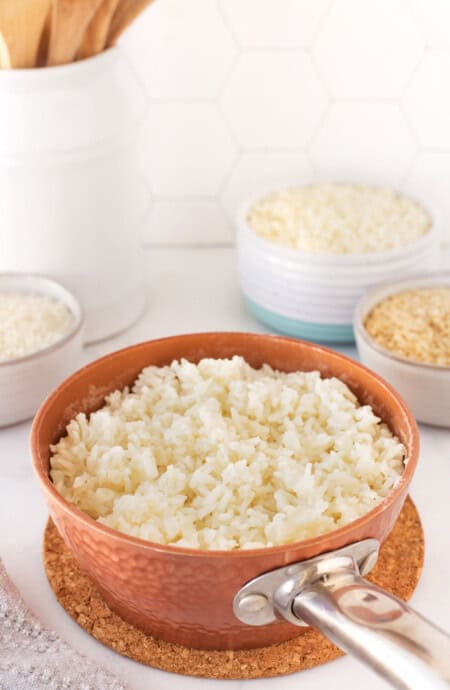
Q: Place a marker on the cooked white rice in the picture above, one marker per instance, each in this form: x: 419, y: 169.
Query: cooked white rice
x: 339, y: 218
x: 223, y: 456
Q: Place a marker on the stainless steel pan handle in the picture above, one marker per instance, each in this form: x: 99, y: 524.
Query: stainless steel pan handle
x: 378, y: 629
x: 328, y: 593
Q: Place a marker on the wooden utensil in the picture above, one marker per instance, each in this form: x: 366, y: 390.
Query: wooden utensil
x: 125, y: 13
x: 42, y: 53
x: 5, y: 59
x: 94, y: 39
x: 69, y: 21
x: 21, y: 24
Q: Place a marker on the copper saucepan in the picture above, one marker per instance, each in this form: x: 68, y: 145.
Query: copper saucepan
x: 254, y: 598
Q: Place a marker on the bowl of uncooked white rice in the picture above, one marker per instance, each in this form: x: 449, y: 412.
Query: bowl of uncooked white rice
x: 40, y: 342
x: 179, y: 469
x: 306, y: 254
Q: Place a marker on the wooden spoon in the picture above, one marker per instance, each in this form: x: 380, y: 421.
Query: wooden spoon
x: 70, y: 19
x: 42, y: 53
x: 94, y: 39
x: 126, y: 12
x: 5, y: 58
x: 21, y: 24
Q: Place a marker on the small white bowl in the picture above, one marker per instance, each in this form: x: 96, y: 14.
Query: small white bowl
x: 425, y: 387
x: 25, y: 382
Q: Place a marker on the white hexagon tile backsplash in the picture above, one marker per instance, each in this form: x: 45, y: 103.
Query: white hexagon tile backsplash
x: 273, y: 100
x: 368, y: 50
x: 368, y: 142
x: 246, y: 94
x: 188, y: 150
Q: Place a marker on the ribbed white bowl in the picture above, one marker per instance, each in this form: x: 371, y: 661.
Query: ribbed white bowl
x: 320, y: 289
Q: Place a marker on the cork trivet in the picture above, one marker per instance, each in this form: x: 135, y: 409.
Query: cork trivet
x: 398, y: 571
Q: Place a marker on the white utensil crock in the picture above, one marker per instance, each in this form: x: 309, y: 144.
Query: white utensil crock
x: 72, y: 201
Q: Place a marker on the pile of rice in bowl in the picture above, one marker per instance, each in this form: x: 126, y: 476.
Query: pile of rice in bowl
x: 336, y: 218
x: 218, y: 455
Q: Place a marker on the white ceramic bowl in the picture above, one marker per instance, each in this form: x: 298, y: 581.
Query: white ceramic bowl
x: 25, y: 382
x: 312, y: 295
x: 425, y: 387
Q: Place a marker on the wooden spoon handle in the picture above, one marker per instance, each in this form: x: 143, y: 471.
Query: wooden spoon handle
x: 42, y: 53
x: 5, y: 57
x: 70, y: 19
x: 94, y: 39
x: 126, y: 12
x: 21, y: 24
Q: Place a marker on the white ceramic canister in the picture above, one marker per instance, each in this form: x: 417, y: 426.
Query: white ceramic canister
x: 72, y: 198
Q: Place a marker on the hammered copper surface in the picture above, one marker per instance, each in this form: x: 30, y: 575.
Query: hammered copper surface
x: 398, y: 570
x: 185, y: 595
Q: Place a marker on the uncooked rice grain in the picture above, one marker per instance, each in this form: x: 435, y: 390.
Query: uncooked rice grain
x: 414, y: 324
x: 30, y: 322
x: 339, y: 219
x: 223, y: 456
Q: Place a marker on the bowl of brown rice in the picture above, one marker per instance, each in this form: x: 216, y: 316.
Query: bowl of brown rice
x: 403, y: 333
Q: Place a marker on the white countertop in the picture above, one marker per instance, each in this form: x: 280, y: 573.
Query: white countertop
x: 196, y: 290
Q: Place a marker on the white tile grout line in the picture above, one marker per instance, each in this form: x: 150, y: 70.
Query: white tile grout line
x: 342, y: 100
x: 227, y: 77
x: 315, y: 133
x: 216, y: 246
x: 403, y: 96
x: 276, y: 49
x: 418, y: 23
x: 424, y: 52
x: 226, y: 179
x: 410, y: 127
x: 403, y: 180
x: 273, y: 149
x: 323, y: 20
x: 228, y: 24
x: 273, y: 47
x: 185, y: 101
x: 185, y: 199
x: 185, y: 246
x: 319, y: 74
